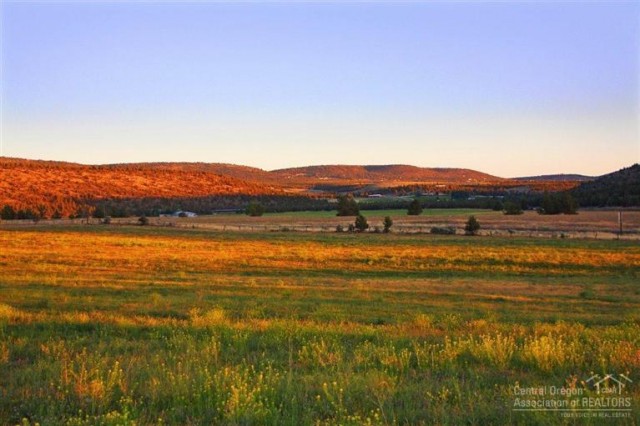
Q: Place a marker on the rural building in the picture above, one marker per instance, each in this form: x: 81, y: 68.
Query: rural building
x: 181, y: 213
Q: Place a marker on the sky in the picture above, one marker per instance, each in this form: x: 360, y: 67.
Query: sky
x: 507, y: 88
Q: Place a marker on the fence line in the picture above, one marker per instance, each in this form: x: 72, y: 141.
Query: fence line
x: 580, y: 233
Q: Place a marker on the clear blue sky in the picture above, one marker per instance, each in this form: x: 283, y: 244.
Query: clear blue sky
x: 506, y: 88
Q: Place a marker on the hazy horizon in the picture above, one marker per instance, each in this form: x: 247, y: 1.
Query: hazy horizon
x: 509, y: 89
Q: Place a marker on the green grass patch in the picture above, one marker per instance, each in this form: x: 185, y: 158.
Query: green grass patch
x: 149, y: 325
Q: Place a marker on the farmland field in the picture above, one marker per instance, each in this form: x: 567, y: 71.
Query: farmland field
x: 172, y: 325
x: 589, y: 224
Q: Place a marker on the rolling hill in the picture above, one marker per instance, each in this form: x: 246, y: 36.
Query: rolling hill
x: 384, y: 173
x: 301, y: 178
x: 54, y: 187
x: 246, y: 173
x: 557, y: 178
x: 621, y: 188
x: 57, y: 186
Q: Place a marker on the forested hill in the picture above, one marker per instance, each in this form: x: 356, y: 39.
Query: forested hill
x: 58, y: 188
x: 382, y: 173
x: 621, y: 188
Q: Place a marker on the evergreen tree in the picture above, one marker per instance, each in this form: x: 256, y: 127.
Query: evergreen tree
x: 569, y: 204
x: 361, y: 223
x: 7, y: 213
x: 415, y: 208
x: 347, y: 206
x: 511, y: 208
x: 472, y: 226
x: 387, y: 223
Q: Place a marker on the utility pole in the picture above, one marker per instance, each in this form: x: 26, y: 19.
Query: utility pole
x: 619, y: 224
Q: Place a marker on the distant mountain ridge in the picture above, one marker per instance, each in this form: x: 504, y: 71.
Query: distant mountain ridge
x: 253, y: 174
x: 349, y: 172
x: 390, y: 172
x: 557, y: 178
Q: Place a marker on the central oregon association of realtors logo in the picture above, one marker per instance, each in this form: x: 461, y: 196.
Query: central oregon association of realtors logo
x: 601, y: 396
x: 609, y: 384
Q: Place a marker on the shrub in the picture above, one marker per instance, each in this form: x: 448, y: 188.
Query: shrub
x: 550, y: 352
x: 255, y: 209
x: 143, y: 220
x: 497, y: 349
x: 511, y: 208
x: 472, y: 226
x: 387, y: 223
x: 361, y: 224
x: 339, y: 228
x: 449, y: 230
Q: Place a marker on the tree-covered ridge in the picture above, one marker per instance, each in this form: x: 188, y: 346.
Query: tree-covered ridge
x: 621, y: 188
x: 59, y: 189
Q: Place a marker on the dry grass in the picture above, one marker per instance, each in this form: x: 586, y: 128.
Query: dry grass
x: 146, y: 325
x: 596, y: 224
x: 104, y: 256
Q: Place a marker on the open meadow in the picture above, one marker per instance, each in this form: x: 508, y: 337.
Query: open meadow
x: 165, y: 325
x: 597, y: 223
x: 588, y: 224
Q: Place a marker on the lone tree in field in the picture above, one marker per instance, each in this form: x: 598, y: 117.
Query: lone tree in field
x: 415, y: 208
x: 347, y: 206
x: 361, y: 223
x: 472, y: 226
x: 255, y: 209
x: 387, y: 223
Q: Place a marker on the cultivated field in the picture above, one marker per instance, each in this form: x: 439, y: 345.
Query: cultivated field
x: 172, y: 325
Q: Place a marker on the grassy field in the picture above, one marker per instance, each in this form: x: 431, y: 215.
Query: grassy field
x: 590, y: 224
x: 398, y: 213
x: 158, y: 325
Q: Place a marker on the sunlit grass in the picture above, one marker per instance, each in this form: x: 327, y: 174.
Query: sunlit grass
x: 151, y: 326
